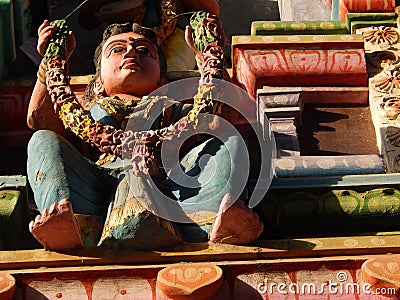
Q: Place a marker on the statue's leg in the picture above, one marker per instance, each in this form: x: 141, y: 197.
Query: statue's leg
x: 62, y: 179
x: 221, y: 168
x: 56, y: 171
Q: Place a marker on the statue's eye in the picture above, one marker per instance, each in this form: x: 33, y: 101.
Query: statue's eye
x: 117, y: 49
x: 142, y: 50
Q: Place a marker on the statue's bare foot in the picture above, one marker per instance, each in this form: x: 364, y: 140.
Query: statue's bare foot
x: 57, y: 228
x: 235, y: 223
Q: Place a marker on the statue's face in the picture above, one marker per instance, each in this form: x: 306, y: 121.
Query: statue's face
x: 129, y: 65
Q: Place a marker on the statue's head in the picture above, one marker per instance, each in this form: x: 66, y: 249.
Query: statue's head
x: 128, y: 61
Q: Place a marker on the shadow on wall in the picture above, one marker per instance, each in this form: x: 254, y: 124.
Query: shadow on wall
x: 237, y: 15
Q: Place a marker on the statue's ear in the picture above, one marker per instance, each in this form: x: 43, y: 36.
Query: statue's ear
x: 98, y: 88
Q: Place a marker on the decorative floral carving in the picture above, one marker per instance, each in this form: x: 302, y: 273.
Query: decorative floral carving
x: 190, y: 281
x: 190, y: 274
x: 381, y: 35
x: 392, y: 267
x: 387, y: 80
x: 391, y: 107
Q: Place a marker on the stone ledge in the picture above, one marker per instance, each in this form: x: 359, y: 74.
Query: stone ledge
x: 266, y: 249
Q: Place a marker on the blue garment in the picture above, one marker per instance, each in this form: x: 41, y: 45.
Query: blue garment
x: 57, y: 170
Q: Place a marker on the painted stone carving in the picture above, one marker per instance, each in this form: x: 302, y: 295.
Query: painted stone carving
x: 381, y: 35
x: 299, y: 60
x: 305, y: 61
x: 65, y: 221
x: 303, y: 27
x: 190, y: 281
x: 391, y: 106
x: 383, y: 274
x: 121, y: 287
x: 378, y: 60
x: 359, y: 21
x: 388, y: 81
x: 7, y: 286
x: 393, y: 135
x: 55, y: 289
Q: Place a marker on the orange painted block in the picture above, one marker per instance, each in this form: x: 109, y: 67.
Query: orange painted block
x: 190, y: 281
x: 383, y: 274
x: 7, y: 286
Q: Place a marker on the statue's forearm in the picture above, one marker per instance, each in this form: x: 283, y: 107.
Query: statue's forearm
x: 209, y: 38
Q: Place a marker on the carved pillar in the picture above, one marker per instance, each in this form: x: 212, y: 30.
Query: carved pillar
x: 282, y: 107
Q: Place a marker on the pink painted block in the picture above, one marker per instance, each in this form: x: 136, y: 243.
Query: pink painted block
x: 14, y: 102
x: 335, y: 60
x: 263, y: 279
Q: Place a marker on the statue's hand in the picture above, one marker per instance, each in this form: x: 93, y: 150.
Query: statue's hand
x: 205, y: 28
x: 214, y: 26
x: 55, y: 38
x: 45, y: 32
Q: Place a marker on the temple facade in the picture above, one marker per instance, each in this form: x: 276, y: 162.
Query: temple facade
x: 325, y: 79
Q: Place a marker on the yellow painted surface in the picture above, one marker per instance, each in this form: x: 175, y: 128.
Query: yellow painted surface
x: 301, y: 39
x: 273, y: 249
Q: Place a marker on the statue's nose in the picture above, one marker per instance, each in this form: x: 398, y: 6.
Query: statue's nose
x: 130, y: 52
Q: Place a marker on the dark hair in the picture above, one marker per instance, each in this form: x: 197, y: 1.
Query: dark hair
x: 115, y: 29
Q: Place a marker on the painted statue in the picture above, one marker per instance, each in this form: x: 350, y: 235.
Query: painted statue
x: 129, y: 197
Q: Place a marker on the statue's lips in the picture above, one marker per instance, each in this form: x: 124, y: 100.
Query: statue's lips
x: 130, y: 64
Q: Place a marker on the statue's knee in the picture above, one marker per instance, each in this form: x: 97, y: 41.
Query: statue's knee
x: 40, y: 149
x: 41, y: 138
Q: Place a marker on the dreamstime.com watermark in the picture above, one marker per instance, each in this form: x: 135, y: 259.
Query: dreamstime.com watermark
x: 339, y: 287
